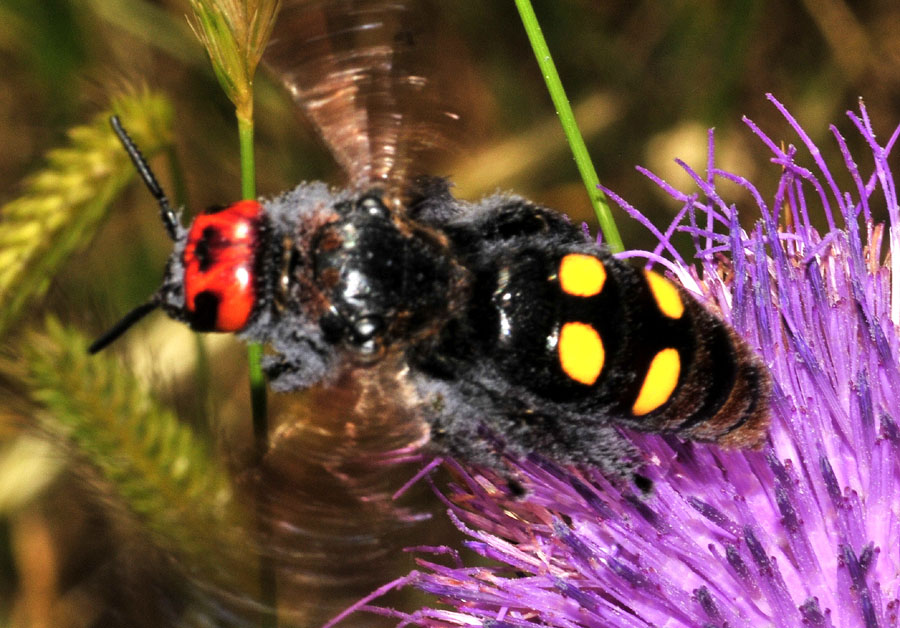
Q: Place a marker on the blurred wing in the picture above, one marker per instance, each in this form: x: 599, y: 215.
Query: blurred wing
x: 363, y: 72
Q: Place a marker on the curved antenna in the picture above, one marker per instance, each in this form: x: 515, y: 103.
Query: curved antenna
x: 143, y: 168
x: 110, y: 335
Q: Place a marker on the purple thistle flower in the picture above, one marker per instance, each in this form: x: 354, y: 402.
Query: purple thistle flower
x: 803, y: 533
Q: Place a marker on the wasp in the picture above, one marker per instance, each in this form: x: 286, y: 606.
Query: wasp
x: 504, y: 326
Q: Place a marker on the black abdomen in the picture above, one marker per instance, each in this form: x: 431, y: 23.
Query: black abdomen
x: 589, y: 335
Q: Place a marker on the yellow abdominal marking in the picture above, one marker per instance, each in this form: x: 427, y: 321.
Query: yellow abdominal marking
x: 581, y: 275
x: 660, y: 381
x: 581, y: 353
x: 666, y: 294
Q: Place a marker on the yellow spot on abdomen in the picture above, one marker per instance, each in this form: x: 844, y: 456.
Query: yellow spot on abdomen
x: 659, y: 383
x: 581, y: 353
x: 666, y: 294
x: 581, y: 275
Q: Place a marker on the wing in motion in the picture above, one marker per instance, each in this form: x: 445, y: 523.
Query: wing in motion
x: 363, y: 72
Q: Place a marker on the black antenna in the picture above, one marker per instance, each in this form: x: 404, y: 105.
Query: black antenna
x: 122, y: 326
x: 143, y: 168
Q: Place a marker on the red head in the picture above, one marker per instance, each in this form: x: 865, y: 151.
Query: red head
x: 219, y: 259
x: 218, y: 279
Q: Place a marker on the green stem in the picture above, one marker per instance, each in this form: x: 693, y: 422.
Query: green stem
x: 570, y: 127
x: 248, y: 164
x: 258, y: 402
x: 254, y: 350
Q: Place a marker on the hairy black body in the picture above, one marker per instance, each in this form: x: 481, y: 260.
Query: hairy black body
x: 467, y: 300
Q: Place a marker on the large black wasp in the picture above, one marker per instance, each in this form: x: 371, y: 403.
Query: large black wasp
x: 505, y: 328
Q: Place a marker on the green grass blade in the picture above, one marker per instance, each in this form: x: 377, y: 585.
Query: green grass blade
x: 570, y: 127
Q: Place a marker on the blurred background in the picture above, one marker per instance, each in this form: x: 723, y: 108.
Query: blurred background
x: 646, y: 79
